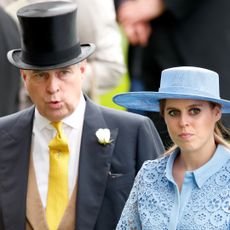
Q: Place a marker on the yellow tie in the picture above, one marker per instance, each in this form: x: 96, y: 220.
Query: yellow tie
x: 57, y: 198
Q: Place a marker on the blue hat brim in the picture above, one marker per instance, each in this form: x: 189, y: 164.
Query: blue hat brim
x: 149, y: 101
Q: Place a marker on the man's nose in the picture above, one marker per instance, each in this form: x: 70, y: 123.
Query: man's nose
x: 52, y: 84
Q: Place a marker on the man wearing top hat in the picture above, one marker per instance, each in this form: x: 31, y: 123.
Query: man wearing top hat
x: 65, y: 163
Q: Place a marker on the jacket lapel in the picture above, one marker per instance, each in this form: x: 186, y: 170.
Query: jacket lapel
x: 94, y: 166
x: 14, y: 162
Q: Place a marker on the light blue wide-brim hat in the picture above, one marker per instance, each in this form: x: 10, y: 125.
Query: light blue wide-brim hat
x: 184, y: 82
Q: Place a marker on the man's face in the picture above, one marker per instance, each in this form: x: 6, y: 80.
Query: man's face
x: 55, y: 93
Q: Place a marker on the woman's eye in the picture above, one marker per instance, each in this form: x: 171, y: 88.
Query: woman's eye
x: 173, y: 113
x: 194, y: 111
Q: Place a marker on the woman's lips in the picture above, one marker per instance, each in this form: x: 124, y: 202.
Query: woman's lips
x: 185, y: 136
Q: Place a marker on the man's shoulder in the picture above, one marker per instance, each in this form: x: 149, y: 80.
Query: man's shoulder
x: 11, y: 119
x: 122, y: 114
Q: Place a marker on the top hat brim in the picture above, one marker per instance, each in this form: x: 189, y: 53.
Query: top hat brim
x: 15, y: 57
x: 149, y: 101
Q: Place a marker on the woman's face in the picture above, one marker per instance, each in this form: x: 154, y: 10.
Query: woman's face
x: 191, y: 123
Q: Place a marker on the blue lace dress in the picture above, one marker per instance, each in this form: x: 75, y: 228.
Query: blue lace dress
x: 155, y: 202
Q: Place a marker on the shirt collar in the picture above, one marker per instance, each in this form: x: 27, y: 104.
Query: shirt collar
x: 202, y: 174
x: 40, y: 122
x: 220, y: 157
x: 169, y: 165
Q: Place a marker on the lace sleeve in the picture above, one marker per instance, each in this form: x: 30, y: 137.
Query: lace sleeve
x: 130, y: 219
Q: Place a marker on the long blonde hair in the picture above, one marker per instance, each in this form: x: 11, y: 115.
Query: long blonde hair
x: 220, y: 131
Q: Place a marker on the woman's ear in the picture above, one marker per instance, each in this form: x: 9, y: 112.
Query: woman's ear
x: 217, y: 112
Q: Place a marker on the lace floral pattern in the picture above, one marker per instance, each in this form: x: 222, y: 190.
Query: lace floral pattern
x: 152, y: 199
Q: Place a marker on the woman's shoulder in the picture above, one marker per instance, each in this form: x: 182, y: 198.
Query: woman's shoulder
x: 157, y: 163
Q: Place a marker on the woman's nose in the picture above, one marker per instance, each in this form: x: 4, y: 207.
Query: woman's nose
x: 184, y: 120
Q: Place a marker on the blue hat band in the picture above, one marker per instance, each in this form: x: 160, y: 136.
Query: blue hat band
x: 188, y: 91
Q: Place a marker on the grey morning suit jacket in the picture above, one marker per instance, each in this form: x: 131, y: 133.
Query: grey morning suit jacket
x: 106, y: 173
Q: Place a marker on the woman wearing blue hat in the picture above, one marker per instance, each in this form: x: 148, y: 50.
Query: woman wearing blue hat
x: 189, y: 186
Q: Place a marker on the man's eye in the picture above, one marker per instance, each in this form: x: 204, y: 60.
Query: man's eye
x: 173, y: 113
x: 39, y: 75
x: 42, y: 75
x: 64, y: 73
x: 194, y: 111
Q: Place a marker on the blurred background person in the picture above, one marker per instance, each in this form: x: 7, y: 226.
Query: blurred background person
x: 9, y: 75
x: 4, y: 3
x: 164, y: 34
x: 97, y: 24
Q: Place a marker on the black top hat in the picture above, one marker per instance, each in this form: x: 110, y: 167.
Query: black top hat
x: 49, y: 37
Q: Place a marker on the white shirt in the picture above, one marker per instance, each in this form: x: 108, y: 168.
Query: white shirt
x: 43, y: 132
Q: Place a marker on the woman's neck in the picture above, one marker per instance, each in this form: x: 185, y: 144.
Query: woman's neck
x: 192, y: 160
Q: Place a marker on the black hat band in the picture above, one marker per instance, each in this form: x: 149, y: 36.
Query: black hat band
x: 51, y: 58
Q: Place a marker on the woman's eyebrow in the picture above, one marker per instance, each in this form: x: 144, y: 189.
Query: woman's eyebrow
x: 195, y: 105
x: 189, y: 106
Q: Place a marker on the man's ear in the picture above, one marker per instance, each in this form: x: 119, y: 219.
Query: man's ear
x: 83, y: 65
x: 23, y: 75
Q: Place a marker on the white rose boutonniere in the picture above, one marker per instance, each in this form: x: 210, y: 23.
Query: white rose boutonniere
x: 103, y: 136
